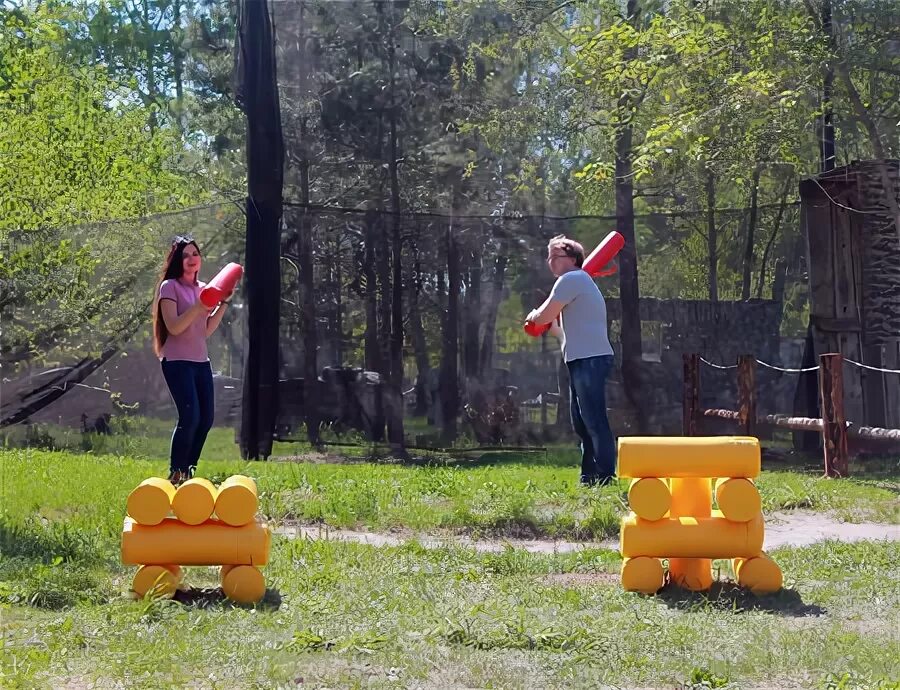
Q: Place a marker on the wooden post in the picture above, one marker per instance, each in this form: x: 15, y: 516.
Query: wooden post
x: 690, y: 414
x: 834, y: 426
x: 746, y: 381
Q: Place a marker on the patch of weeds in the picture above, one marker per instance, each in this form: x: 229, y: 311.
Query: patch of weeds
x: 856, y: 681
x: 702, y: 678
x: 54, y: 586
x: 361, y: 642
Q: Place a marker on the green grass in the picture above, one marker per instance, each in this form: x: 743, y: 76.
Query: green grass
x: 512, y: 495
x: 352, y: 616
x: 872, y: 493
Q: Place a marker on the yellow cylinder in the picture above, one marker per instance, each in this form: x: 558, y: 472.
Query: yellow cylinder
x: 243, y: 584
x: 738, y: 498
x: 163, y: 580
x: 691, y: 497
x: 694, y: 574
x: 237, y: 500
x: 194, y: 501
x: 642, y: 574
x: 649, y: 497
x: 150, y: 501
x: 761, y: 575
x: 212, y: 543
x: 689, y: 537
x: 690, y: 456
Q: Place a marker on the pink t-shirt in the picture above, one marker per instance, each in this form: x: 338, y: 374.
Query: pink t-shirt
x: 190, y: 344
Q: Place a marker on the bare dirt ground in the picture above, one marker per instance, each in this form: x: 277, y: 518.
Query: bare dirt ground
x: 792, y: 528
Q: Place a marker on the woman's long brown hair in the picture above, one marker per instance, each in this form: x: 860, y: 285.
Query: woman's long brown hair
x: 173, y: 268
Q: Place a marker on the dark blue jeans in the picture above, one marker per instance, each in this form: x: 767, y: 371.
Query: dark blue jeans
x: 191, y: 386
x: 587, y: 384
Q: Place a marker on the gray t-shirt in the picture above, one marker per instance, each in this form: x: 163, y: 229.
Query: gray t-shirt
x: 583, y: 318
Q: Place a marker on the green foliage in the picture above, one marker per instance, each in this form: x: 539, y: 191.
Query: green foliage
x: 76, y: 153
x: 77, y: 148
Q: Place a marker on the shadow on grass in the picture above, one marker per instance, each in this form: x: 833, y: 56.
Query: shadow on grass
x: 54, y: 540
x: 727, y: 596
x: 563, y: 457
x: 551, y: 457
x: 214, y: 597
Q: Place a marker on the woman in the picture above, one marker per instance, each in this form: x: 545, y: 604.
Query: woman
x: 181, y: 325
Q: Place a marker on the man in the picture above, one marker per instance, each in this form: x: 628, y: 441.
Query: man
x: 587, y: 353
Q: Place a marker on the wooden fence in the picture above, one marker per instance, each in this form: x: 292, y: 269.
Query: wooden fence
x: 834, y: 427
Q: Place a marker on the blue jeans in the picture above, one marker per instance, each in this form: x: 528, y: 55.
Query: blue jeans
x: 191, y: 386
x: 587, y: 384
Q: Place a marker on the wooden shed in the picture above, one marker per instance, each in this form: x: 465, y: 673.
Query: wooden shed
x: 854, y: 280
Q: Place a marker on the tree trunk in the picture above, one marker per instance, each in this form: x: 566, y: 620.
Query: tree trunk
x: 395, y: 413
x: 751, y: 234
x: 419, y: 343
x: 176, y: 35
x: 307, y: 303
x: 150, y: 64
x: 782, y: 205
x: 712, y: 237
x: 826, y: 124
x: 383, y: 270
x: 372, y: 351
x: 472, y: 318
x: 338, y: 302
x: 450, y: 355
x: 486, y: 357
x: 629, y: 292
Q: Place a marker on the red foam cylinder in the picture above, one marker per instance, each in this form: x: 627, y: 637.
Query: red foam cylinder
x: 533, y: 329
x: 595, y: 264
x: 222, y: 285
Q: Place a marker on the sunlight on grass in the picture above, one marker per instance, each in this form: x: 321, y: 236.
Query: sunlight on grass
x: 351, y: 615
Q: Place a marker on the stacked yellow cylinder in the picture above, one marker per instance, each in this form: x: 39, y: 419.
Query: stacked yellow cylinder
x: 672, y: 515
x: 196, y: 524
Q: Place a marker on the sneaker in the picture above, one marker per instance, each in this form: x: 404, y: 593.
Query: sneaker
x: 177, y: 477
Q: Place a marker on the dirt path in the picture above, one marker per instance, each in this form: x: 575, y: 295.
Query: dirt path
x: 794, y: 528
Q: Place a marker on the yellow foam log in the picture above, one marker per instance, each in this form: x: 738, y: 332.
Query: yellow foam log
x: 738, y: 498
x: 194, y: 501
x: 243, y: 584
x: 691, y: 456
x: 212, y: 543
x: 237, y: 500
x: 150, y: 501
x: 642, y: 574
x: 761, y: 575
x: 694, y: 574
x: 691, y: 497
x: 649, y: 497
x: 689, y: 537
x: 163, y: 580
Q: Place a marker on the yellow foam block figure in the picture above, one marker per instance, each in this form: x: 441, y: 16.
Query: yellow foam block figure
x: 674, y: 480
x: 197, y: 524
